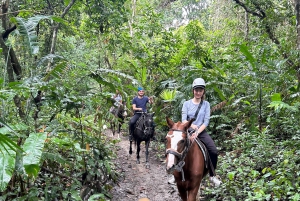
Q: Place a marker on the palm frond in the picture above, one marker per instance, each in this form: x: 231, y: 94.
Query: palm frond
x: 133, y: 80
x: 4, y: 140
x: 26, y: 28
x: 101, y: 80
x: 168, y: 95
x: 57, y: 70
x: 47, y: 58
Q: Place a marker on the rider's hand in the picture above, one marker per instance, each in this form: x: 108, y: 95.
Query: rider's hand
x: 194, y: 127
x: 194, y: 135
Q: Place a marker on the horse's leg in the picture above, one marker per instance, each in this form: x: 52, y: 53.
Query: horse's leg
x: 130, y: 148
x: 147, y: 154
x: 183, y: 193
x: 138, y: 152
x: 120, y: 122
x: 192, y: 194
x: 112, y: 127
x: 118, y: 131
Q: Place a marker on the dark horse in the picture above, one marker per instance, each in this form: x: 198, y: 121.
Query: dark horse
x: 116, y: 124
x: 186, y: 158
x: 144, y: 131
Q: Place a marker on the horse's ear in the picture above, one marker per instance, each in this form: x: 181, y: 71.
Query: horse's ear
x: 189, y: 123
x: 169, y: 122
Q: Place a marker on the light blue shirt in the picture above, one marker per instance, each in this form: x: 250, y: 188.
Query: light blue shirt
x: 118, y: 98
x: 189, y: 109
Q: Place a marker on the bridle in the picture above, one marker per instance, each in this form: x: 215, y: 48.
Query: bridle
x: 181, y: 156
x: 146, y: 129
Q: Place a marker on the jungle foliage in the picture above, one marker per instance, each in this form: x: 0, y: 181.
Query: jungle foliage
x: 62, y: 60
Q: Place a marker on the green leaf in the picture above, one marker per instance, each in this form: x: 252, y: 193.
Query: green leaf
x: 249, y: 57
x: 278, y: 105
x: 118, y: 73
x: 276, y: 97
x: 230, y: 175
x: 4, y: 140
x: 296, y: 197
x: 57, y: 71
x: 220, y: 93
x: 33, y: 148
x: 101, y: 80
x: 7, y: 164
x: 27, y: 30
x: 96, y: 197
x: 168, y: 95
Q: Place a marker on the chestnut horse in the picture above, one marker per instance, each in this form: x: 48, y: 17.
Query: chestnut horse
x: 185, y: 160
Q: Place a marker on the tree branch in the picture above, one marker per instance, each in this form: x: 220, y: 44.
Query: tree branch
x: 248, y: 10
x: 262, y: 15
x: 8, y: 31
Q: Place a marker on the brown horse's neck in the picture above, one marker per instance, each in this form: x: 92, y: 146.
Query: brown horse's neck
x: 194, y: 159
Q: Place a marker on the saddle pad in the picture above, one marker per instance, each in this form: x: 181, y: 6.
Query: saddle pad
x: 204, y: 151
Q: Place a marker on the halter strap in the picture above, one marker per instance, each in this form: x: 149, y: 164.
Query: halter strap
x: 181, y: 155
x: 178, y: 130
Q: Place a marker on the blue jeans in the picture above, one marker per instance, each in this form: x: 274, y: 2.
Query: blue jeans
x: 132, y: 122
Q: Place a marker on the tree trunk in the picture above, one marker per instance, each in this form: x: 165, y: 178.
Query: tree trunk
x: 55, y: 32
x: 132, y: 17
x: 297, y: 12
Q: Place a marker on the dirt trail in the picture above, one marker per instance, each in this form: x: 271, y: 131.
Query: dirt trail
x: 137, y: 181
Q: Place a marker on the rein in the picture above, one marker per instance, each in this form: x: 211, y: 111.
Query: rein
x: 178, y: 167
x: 142, y: 126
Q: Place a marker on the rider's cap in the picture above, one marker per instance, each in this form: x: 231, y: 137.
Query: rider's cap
x: 140, y: 88
x: 199, y: 83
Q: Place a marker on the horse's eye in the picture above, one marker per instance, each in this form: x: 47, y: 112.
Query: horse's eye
x: 181, y: 141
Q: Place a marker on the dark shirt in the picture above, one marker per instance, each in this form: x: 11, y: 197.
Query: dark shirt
x: 141, y: 103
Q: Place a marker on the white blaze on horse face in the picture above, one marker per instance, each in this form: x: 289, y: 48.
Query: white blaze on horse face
x: 177, y: 136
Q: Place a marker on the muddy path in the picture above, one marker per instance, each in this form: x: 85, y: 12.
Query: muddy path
x: 137, y: 181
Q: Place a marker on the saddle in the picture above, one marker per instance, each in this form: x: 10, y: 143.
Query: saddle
x: 140, y: 124
x: 208, y: 163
